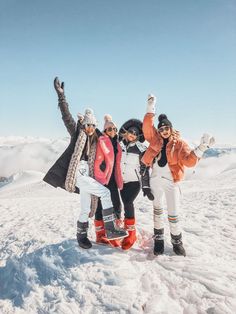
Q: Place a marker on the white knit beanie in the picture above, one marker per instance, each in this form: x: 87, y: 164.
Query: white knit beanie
x: 89, y: 117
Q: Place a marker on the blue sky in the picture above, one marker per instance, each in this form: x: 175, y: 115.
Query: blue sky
x: 111, y: 54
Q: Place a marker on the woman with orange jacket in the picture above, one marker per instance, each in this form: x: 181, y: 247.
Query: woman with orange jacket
x: 167, y: 155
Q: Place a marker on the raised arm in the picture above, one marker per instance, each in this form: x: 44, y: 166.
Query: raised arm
x: 190, y: 157
x: 149, y: 130
x: 63, y: 105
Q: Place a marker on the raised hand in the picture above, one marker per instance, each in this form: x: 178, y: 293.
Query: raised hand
x: 59, y: 87
x: 151, y: 104
x: 206, y: 142
x: 175, y: 135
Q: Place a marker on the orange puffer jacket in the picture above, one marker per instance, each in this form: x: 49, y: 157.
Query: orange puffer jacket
x: 178, y: 153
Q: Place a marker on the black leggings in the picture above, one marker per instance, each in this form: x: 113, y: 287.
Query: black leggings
x: 128, y: 195
x: 115, y: 199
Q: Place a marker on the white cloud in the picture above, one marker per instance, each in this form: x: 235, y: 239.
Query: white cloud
x: 18, y: 154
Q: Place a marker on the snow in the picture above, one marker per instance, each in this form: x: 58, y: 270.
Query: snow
x: 42, y: 269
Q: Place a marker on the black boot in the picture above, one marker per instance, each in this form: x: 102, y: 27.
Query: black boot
x: 82, y: 238
x: 112, y: 230
x: 158, y: 241
x: 177, y: 243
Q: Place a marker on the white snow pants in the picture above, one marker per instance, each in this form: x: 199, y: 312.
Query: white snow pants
x: 161, y: 183
x: 88, y: 186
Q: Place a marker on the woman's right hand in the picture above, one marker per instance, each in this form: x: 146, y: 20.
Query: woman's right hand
x: 59, y: 87
x: 151, y: 104
x: 175, y: 135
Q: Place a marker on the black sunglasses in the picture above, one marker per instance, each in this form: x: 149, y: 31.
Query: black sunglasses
x: 133, y: 132
x: 111, y: 129
x: 163, y: 128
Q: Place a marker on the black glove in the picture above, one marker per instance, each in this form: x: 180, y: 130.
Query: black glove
x: 59, y: 87
x: 143, y: 169
x: 147, y: 192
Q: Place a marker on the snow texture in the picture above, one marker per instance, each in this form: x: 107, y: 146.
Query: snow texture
x: 42, y: 269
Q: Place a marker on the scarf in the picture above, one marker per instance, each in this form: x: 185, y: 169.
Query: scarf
x: 74, y: 163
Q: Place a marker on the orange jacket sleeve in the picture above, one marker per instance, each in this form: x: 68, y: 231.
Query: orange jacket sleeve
x: 187, y: 156
x: 149, y: 130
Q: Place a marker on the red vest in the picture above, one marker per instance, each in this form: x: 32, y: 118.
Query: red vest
x: 105, y: 153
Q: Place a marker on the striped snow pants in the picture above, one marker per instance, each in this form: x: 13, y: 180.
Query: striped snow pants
x: 162, y: 184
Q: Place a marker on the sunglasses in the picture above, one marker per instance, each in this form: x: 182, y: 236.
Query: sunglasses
x: 90, y: 125
x: 132, y: 132
x: 111, y: 129
x: 163, y: 128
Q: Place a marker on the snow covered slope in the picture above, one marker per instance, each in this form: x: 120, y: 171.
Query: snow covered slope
x: 42, y: 270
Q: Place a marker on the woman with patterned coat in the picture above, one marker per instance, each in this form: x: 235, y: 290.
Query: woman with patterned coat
x: 74, y: 171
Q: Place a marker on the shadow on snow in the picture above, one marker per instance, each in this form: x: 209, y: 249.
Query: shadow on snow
x: 46, y: 266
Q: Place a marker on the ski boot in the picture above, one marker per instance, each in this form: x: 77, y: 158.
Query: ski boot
x: 83, y: 241
x: 117, y: 243
x: 177, y: 243
x: 112, y: 230
x: 129, y: 241
x: 100, y: 232
x: 158, y: 241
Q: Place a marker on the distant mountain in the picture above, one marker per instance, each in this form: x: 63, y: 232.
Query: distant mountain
x: 19, y: 154
x: 217, y: 152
